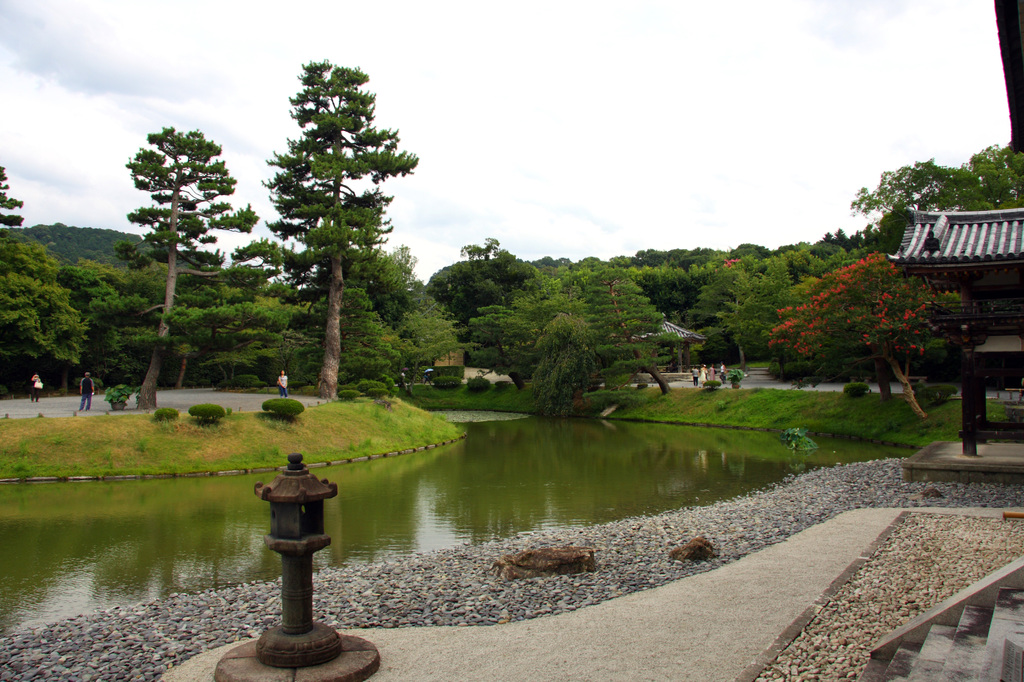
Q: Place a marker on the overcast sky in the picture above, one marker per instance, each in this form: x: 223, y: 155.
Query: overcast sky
x: 559, y: 128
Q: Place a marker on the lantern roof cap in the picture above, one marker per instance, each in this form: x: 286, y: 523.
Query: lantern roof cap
x: 296, y: 485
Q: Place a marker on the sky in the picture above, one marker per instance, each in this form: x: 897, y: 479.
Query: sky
x: 560, y: 128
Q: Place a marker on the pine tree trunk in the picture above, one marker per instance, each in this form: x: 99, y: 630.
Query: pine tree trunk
x: 517, y: 379
x: 743, y: 362
x: 332, y: 333
x: 147, y: 392
x: 181, y: 373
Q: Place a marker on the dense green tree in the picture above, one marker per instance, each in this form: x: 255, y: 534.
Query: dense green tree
x: 566, y: 366
x: 8, y: 203
x: 327, y: 190
x: 428, y: 335
x: 36, y: 317
x: 109, y: 299
x: 626, y: 327
x: 186, y: 183
x: 488, y: 276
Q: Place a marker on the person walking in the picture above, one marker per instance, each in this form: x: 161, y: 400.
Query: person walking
x: 35, y: 385
x: 86, y: 388
x: 696, y: 374
x: 282, y: 384
x: 711, y: 372
x: 703, y: 374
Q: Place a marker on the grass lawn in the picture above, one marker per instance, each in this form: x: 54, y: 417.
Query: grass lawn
x: 820, y: 411
x: 137, y: 444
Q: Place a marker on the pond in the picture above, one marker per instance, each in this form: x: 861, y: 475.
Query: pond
x: 70, y: 548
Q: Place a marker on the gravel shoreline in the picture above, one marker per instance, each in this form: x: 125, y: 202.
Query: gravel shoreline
x: 453, y: 587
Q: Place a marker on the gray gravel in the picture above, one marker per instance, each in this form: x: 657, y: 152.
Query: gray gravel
x: 452, y: 587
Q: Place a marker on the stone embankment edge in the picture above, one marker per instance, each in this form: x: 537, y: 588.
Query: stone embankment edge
x: 754, y: 670
x: 229, y: 472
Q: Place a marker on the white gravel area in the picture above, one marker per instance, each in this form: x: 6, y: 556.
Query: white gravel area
x: 927, y: 558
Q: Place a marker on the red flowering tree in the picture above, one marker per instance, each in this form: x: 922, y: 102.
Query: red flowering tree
x: 869, y: 304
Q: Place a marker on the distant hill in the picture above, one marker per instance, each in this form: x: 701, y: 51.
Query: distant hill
x: 67, y: 243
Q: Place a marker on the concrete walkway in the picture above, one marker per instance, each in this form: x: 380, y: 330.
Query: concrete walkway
x: 181, y: 400
x: 707, y: 627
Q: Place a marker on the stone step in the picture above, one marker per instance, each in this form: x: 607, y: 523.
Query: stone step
x: 967, y: 653
x: 933, y: 654
x: 902, y: 664
x: 1007, y: 622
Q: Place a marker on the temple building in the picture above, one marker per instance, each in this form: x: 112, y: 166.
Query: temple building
x: 978, y: 255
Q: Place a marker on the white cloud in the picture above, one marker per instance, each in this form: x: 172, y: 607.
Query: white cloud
x: 562, y: 129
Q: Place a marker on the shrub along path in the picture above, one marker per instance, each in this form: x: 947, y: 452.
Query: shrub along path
x: 181, y: 400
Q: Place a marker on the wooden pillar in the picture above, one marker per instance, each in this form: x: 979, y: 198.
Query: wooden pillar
x: 969, y: 402
x: 686, y: 353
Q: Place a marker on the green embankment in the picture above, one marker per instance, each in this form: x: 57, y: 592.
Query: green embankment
x: 137, y: 444
x: 820, y: 411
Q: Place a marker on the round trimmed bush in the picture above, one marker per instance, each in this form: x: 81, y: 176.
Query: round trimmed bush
x: 348, y: 394
x: 377, y: 393
x: 503, y: 385
x: 856, y: 389
x: 165, y: 414
x: 283, y: 408
x: 447, y: 382
x: 478, y: 385
x: 712, y: 385
x: 366, y: 385
x: 248, y: 381
x: 207, y: 413
x: 935, y: 395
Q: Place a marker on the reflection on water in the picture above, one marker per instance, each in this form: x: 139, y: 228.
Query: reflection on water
x: 70, y: 548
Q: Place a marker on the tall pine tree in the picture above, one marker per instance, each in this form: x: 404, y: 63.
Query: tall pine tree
x: 186, y: 183
x: 327, y: 191
x: 8, y: 203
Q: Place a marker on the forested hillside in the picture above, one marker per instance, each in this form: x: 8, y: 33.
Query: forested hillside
x: 68, y: 243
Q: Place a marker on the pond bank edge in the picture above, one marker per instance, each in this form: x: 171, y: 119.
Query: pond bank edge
x: 229, y: 472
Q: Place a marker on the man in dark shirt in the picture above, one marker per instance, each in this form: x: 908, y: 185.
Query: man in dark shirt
x: 86, y: 388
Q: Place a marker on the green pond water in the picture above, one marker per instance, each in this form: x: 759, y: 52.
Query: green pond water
x: 70, y: 548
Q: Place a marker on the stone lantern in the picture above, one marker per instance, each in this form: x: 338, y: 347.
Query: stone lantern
x: 297, y: 531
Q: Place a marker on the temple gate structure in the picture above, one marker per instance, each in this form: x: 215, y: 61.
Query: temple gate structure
x: 980, y: 256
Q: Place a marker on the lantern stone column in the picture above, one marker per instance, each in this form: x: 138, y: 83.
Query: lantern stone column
x: 297, y: 531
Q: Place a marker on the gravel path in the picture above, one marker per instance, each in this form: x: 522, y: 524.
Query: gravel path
x: 452, y: 587
x: 928, y: 558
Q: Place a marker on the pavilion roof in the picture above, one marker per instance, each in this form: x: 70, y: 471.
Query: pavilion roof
x: 962, y: 238
x: 685, y: 334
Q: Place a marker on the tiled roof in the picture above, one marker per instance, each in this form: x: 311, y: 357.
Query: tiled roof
x: 962, y: 238
x: 670, y: 328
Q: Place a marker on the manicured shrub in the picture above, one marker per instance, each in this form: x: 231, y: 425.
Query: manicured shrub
x: 283, y: 408
x: 478, y: 385
x: 503, y: 385
x: 641, y: 384
x: 207, y: 413
x: 367, y: 384
x: 458, y: 371
x: 446, y: 382
x: 856, y: 389
x: 935, y: 395
x: 165, y: 414
x: 712, y: 385
x: 377, y: 393
x: 248, y: 381
x: 348, y: 394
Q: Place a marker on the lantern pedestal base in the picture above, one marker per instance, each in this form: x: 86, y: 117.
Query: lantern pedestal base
x: 358, y: 660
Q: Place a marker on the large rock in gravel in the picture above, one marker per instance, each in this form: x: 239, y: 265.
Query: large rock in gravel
x: 546, y: 561
x: 697, y: 549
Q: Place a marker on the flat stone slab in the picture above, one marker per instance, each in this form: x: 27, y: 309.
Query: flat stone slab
x: 359, y: 659
x: 944, y: 461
